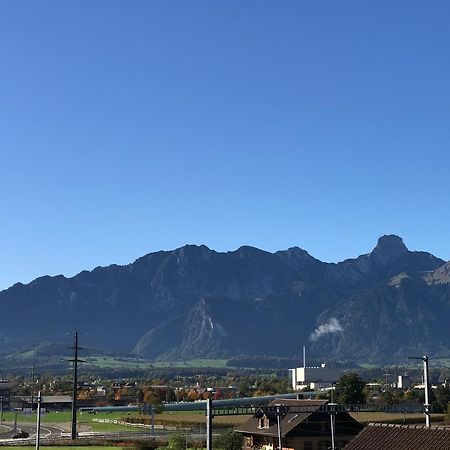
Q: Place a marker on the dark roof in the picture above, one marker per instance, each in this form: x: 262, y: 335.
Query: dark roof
x: 289, y: 421
x: 48, y: 399
x: 401, y: 437
x: 7, y: 385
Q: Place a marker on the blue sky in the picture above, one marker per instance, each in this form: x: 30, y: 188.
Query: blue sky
x: 132, y: 126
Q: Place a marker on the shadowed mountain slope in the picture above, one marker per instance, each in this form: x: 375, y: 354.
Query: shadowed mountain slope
x: 194, y: 301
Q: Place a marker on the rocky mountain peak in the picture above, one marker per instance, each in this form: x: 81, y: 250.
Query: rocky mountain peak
x: 389, y: 248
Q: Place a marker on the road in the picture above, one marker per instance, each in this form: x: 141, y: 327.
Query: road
x: 47, y: 432
x: 53, y: 432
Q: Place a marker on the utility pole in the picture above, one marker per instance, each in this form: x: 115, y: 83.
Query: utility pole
x: 75, y: 361
x: 32, y: 387
x: 209, y: 418
x: 152, y: 411
x: 386, y: 374
x: 38, y: 420
x: 426, y: 383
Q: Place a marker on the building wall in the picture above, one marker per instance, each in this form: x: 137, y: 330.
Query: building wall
x: 304, y: 376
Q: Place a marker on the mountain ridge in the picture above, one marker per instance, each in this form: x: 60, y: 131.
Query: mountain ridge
x: 198, y: 302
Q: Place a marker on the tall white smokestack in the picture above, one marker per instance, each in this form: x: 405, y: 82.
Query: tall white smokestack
x: 304, y: 357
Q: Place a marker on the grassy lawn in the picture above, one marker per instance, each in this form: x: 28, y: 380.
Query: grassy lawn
x: 112, y: 427
x: 107, y: 362
x: 61, y: 447
x: 418, y: 418
x: 193, y: 417
x: 137, y: 363
x: 60, y: 417
x: 194, y: 363
x: 180, y: 418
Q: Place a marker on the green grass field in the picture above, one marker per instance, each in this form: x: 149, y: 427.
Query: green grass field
x: 60, y: 447
x: 440, y: 362
x: 136, y: 363
x: 60, y: 417
x: 194, y: 363
x: 366, y: 417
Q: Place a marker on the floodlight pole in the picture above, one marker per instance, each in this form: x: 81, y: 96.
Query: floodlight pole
x: 426, y: 383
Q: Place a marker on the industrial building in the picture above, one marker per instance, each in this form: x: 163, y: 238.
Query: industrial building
x: 313, y: 377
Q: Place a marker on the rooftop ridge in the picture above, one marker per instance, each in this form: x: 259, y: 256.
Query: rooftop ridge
x: 410, y: 426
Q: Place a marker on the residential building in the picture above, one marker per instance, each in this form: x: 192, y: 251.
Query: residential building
x: 303, y: 425
x: 5, y: 393
x: 377, y: 436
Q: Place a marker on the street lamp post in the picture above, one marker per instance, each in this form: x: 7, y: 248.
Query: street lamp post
x: 426, y: 383
x: 280, y: 445
x: 332, y: 419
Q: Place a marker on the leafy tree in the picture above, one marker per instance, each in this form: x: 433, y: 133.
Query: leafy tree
x: 350, y: 389
x: 170, y: 395
x: 176, y: 441
x: 62, y: 386
x: 152, y: 398
x: 245, y: 387
x: 390, y: 397
x: 207, y: 395
x: 140, y: 396
x: 228, y: 441
x: 273, y: 385
x: 441, y: 399
x: 193, y: 395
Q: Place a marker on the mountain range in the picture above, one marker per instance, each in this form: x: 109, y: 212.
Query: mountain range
x: 195, y: 302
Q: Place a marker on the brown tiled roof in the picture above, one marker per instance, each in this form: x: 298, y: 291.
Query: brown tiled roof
x: 401, y: 437
x: 288, y: 422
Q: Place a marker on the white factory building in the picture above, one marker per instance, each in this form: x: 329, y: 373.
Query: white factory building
x: 313, y: 377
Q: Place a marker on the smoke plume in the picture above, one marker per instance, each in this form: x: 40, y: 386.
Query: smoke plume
x: 332, y: 326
